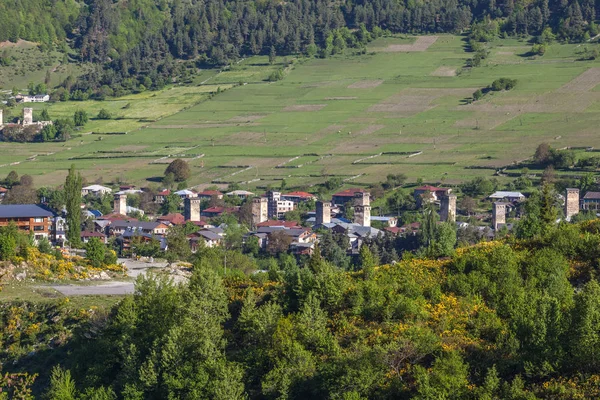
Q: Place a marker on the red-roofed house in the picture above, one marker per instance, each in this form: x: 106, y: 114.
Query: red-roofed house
x: 285, y: 224
x: 217, y: 211
x: 298, y: 197
x: 3, y: 192
x: 436, y: 193
x: 172, y: 219
x: 208, y: 194
x: 160, y: 196
x: 341, y: 198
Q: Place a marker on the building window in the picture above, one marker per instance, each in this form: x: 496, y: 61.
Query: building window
x: 38, y: 220
x: 38, y: 228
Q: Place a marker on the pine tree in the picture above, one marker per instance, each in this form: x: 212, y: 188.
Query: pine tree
x: 73, y: 185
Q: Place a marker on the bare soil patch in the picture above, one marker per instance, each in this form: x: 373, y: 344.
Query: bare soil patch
x: 444, y: 71
x: 200, y: 126
x: 413, y: 101
x: 505, y: 53
x: 362, y: 120
x: 582, y: 83
x: 304, y: 107
x: 342, y: 98
x: 365, y: 84
x: 11, y: 44
x: 370, y: 129
x: 246, y: 118
x: 421, y: 44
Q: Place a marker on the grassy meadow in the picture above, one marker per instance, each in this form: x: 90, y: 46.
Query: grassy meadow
x: 400, y: 108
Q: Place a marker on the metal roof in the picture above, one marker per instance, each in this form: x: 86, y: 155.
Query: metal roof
x: 23, y: 211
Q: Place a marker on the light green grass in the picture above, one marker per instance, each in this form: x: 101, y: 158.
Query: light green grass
x: 263, y: 124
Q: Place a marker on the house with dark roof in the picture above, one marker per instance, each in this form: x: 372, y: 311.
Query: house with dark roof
x: 117, y: 228
x: 208, y: 236
x: 285, y: 224
x: 27, y: 217
x: 217, y: 211
x: 591, y: 201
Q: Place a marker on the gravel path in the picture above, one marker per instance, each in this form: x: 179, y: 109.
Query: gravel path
x: 134, y: 269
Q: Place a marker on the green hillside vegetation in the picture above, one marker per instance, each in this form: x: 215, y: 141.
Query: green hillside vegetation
x: 355, y: 117
x: 513, y: 319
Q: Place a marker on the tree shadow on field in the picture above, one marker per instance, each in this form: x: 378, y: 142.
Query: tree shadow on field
x: 155, y: 179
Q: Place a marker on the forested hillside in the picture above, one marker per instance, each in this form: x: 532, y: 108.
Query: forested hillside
x: 139, y: 39
x: 513, y: 319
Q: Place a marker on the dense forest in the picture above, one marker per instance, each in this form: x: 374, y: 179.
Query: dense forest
x: 137, y: 42
x: 509, y: 319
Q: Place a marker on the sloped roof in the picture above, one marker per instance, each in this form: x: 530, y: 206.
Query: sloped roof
x: 23, y: 211
x: 592, y: 196
x: 173, y: 218
x: 349, y: 192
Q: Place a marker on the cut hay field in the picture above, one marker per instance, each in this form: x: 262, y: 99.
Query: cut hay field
x: 401, y: 108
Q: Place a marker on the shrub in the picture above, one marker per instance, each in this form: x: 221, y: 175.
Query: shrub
x: 104, y: 114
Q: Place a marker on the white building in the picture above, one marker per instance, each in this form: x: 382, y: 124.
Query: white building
x: 97, y: 190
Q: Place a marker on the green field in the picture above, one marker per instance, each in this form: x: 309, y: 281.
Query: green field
x: 400, y: 108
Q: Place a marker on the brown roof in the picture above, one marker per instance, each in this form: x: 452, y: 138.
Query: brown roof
x: 173, y: 218
x: 592, y: 195
x: 116, y: 217
x: 303, y: 195
x: 287, y: 224
x: 92, y: 234
x: 429, y: 188
x: 349, y: 192
x: 210, y: 193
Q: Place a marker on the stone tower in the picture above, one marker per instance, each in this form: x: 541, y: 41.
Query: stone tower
x: 273, y: 201
x: 448, y: 208
x: 571, y: 203
x: 323, y: 212
x: 362, y: 208
x: 120, y: 204
x: 260, y: 210
x: 498, y: 215
x: 191, y: 207
x: 27, y: 116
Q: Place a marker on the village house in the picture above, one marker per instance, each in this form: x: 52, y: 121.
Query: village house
x: 591, y: 201
x: 185, y: 194
x: 27, y: 217
x: 212, y: 212
x: 95, y: 190
x: 276, y: 207
x: 38, y: 98
x: 86, y: 236
x: 160, y: 196
x: 119, y: 227
x: 345, y: 196
x: 3, y: 192
x: 242, y: 194
x: 298, y: 197
x: 507, y: 196
x: 210, y: 237
x: 172, y: 219
x: 433, y: 193
x: 209, y: 194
